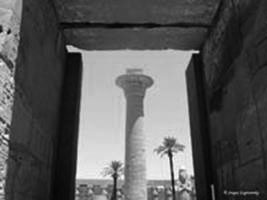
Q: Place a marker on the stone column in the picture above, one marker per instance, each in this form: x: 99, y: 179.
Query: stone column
x: 134, y: 84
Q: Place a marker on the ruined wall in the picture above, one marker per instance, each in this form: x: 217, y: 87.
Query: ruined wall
x: 235, y: 60
x: 34, y: 125
x: 10, y: 18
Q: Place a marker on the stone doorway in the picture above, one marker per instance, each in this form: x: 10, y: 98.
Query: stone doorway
x: 33, y: 37
x: 38, y: 142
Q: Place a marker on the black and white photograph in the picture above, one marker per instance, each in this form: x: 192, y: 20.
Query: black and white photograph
x: 133, y: 100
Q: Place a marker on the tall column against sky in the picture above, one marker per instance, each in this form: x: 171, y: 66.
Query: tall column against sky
x: 134, y: 83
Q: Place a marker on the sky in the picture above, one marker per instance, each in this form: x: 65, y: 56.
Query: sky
x: 102, y: 118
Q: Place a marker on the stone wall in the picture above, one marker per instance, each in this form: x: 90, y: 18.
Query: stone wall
x: 10, y: 19
x: 95, y: 192
x: 235, y: 60
x: 34, y: 127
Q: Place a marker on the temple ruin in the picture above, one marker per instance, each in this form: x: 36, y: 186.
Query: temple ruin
x: 40, y: 83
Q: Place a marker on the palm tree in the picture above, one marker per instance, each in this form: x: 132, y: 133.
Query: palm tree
x: 115, y: 170
x: 169, y: 147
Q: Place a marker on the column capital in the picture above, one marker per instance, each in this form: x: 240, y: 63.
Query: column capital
x: 134, y: 84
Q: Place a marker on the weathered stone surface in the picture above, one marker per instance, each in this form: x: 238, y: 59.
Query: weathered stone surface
x: 236, y: 80
x: 249, y: 144
x: 39, y: 71
x: 138, y: 38
x: 253, y: 173
x: 138, y: 11
x: 234, y: 24
x: 189, y: 21
x: 10, y: 18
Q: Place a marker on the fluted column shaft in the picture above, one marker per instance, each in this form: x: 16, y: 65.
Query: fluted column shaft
x: 135, y: 158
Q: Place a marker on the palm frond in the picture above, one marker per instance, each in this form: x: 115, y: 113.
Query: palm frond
x: 115, y: 167
x: 107, y: 172
x: 161, y: 150
x: 169, y: 141
x: 179, y: 147
x: 169, y: 144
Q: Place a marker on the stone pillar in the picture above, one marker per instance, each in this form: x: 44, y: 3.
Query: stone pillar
x: 134, y: 84
x: 65, y: 159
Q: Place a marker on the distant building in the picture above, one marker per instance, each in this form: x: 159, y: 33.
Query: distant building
x: 101, y: 189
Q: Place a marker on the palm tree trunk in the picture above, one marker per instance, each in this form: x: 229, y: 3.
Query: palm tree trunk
x: 114, y: 193
x: 172, y: 175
